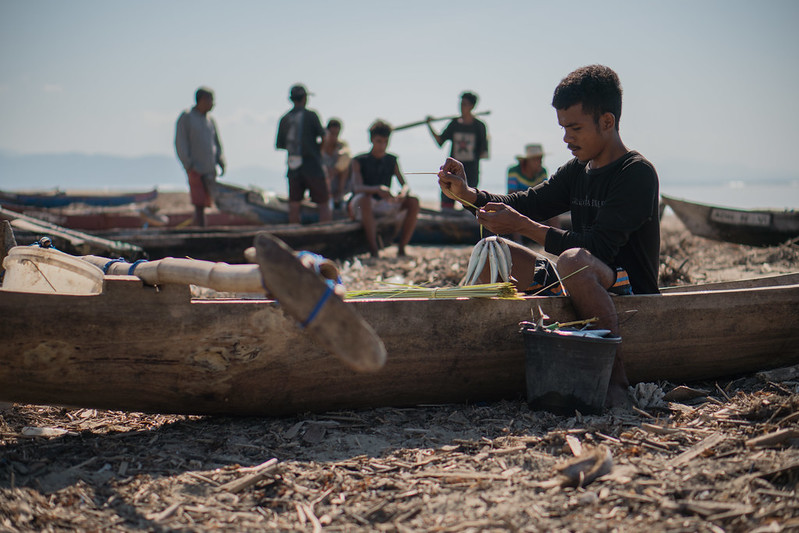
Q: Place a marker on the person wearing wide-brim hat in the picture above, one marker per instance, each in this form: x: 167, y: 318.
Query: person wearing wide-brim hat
x: 529, y: 171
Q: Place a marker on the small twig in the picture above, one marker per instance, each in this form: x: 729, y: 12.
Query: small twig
x: 642, y: 412
x: 258, y: 473
x: 723, y: 393
x: 572, y: 323
x: 561, y: 279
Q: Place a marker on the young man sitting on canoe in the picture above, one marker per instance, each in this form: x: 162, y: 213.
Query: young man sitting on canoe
x: 372, y: 173
x: 612, y: 193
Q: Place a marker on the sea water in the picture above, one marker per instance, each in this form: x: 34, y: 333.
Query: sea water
x: 739, y: 194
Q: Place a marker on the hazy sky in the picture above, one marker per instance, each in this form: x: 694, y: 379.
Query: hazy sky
x: 710, y: 86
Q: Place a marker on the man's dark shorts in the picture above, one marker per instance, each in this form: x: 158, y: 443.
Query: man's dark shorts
x: 301, y: 181
x: 545, y: 281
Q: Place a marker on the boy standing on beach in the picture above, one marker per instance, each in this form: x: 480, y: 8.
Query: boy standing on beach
x: 371, y: 179
x: 469, y: 142
x: 612, y: 193
x: 299, y: 133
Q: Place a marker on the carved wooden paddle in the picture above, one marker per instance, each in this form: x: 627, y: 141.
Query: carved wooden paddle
x: 306, y: 297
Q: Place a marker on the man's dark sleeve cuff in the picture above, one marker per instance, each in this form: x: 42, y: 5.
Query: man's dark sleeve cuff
x: 553, y: 243
x: 481, y: 200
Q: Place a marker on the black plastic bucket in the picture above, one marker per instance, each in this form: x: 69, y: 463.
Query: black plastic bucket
x: 568, y: 371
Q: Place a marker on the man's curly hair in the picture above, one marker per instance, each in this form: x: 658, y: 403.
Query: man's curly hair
x: 596, y: 87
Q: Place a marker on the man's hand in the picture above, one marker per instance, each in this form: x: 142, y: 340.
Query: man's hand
x: 222, y: 169
x: 501, y: 219
x: 384, y: 193
x: 452, y: 179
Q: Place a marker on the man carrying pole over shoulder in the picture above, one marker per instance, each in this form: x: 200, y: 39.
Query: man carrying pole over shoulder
x: 469, y: 142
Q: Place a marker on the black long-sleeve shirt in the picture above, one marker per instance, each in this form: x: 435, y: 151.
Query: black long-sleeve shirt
x: 614, y: 211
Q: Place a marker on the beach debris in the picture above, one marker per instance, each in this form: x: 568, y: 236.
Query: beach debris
x: 44, y: 432
x: 699, y: 449
x: 683, y: 393
x: 648, y: 396
x: 778, y: 375
x: 253, y: 475
x: 585, y: 468
x: 773, y: 439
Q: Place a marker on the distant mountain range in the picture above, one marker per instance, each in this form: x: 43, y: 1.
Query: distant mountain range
x: 91, y: 171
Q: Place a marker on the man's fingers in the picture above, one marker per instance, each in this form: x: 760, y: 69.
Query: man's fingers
x: 453, y: 166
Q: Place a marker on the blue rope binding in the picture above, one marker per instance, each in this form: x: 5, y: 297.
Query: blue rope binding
x: 111, y: 262
x: 134, y: 265
x: 318, y: 307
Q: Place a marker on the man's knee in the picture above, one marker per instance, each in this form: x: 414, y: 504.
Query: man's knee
x: 584, y: 267
x: 572, y: 260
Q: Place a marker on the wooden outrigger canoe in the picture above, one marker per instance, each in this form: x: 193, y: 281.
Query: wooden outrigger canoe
x: 432, y: 227
x: 141, y: 348
x: 337, y: 240
x: 51, y: 199
x: 755, y: 227
x: 29, y: 230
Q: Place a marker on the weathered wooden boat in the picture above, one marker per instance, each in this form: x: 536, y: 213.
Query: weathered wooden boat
x: 29, y: 230
x: 64, y: 198
x: 755, y: 227
x: 260, y: 206
x: 142, y: 348
x: 432, y: 227
x: 239, y: 210
x: 440, y: 227
x: 336, y: 240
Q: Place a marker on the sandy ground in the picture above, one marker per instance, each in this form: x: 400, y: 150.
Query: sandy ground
x: 715, y: 456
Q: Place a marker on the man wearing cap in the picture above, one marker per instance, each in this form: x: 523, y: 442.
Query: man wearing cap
x: 528, y: 172
x: 469, y: 142
x: 299, y: 133
x: 199, y: 150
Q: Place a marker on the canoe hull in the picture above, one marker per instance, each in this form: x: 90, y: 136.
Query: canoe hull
x: 335, y: 240
x: 63, y: 199
x: 750, y: 227
x: 141, y: 349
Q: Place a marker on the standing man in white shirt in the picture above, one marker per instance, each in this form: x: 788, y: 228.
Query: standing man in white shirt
x: 200, y: 151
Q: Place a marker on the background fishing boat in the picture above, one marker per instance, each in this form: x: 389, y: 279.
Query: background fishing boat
x: 756, y: 227
x: 432, y: 227
x: 29, y: 230
x: 236, y: 207
x: 58, y: 198
x: 336, y: 240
